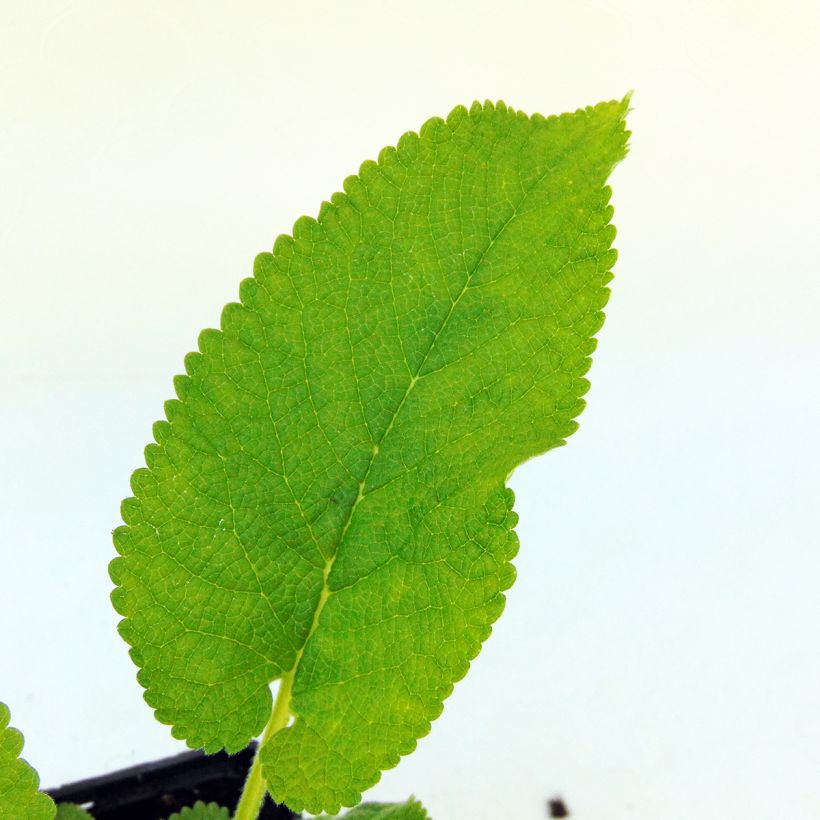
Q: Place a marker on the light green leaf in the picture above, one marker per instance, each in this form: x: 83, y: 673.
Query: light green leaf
x: 19, y: 784
x: 202, y: 811
x: 71, y: 811
x: 410, y: 810
x: 326, y: 502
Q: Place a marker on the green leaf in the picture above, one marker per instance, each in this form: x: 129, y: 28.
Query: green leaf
x: 202, y: 811
x: 20, y: 798
x: 71, y: 811
x: 326, y: 502
x: 410, y: 810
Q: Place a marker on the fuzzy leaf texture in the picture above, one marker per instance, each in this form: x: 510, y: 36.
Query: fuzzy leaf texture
x: 202, y: 811
x: 71, y: 811
x: 326, y: 501
x: 409, y: 810
x: 20, y: 798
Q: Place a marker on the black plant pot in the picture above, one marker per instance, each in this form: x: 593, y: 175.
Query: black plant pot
x: 152, y: 791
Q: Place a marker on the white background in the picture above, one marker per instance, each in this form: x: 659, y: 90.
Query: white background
x: 660, y: 653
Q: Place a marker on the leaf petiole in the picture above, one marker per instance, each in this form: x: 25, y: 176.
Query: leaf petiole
x: 253, y: 792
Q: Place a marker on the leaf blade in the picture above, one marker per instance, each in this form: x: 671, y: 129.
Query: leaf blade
x: 19, y: 784
x: 411, y: 809
x: 345, y: 439
x: 202, y: 811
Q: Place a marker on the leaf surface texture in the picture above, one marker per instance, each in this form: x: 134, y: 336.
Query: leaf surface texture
x: 409, y: 810
x: 20, y: 797
x: 202, y: 811
x: 71, y: 811
x: 326, y: 498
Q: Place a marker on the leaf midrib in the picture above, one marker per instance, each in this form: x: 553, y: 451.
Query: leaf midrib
x: 417, y: 376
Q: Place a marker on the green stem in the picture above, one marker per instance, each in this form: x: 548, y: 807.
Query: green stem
x: 255, y: 787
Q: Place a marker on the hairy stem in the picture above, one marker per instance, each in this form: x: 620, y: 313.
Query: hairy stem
x: 255, y: 787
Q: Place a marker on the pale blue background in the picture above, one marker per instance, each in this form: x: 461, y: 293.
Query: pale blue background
x: 660, y: 653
